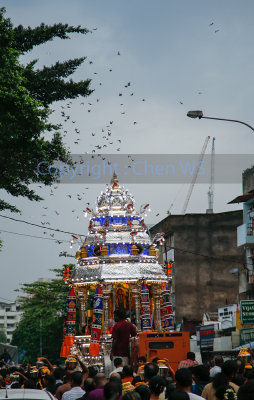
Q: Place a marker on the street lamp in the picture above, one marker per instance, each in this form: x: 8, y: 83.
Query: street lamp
x: 199, y: 114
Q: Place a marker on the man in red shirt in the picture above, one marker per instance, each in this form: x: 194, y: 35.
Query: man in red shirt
x: 122, y: 330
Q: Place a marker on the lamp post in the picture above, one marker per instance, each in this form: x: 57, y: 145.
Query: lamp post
x: 199, y: 114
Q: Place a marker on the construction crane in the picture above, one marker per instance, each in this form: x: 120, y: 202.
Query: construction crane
x: 210, y: 192
x: 195, y: 175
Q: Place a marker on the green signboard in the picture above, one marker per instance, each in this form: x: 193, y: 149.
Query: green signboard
x: 246, y: 335
x: 247, y: 312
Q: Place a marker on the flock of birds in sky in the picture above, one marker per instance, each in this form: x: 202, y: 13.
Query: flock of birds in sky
x: 105, y: 138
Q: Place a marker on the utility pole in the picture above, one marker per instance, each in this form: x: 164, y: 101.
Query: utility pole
x: 40, y: 336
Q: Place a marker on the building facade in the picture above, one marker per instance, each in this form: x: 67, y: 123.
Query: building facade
x: 10, y: 315
x: 202, y: 251
x: 245, y: 235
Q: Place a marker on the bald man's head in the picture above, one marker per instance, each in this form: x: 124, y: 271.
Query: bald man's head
x: 100, y: 379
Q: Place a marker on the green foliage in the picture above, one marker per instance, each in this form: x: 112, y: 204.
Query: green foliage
x: 48, y: 85
x: 27, y: 38
x: 43, y: 306
x: 3, y: 337
x: 25, y: 95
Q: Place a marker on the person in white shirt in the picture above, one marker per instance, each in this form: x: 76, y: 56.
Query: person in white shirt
x: 183, y: 378
x: 218, y: 361
x: 118, y: 363
x: 76, y: 392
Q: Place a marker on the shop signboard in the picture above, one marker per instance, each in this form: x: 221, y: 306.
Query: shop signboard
x: 205, y: 335
x: 246, y: 335
x: 247, y: 312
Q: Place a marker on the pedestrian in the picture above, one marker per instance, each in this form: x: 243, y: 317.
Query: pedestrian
x: 226, y: 393
x: 150, y: 370
x: 122, y: 330
x: 50, y: 384
x: 218, y: 362
x: 189, y: 362
x: 65, y: 387
x: 141, y: 364
x: 118, y: 363
x: 100, y: 381
x: 183, y: 379
x: 127, y: 375
x: 88, y: 386
x: 178, y: 395
x: 224, y: 378
x: 143, y: 391
x: 200, y: 375
x: 113, y: 389
x: 246, y: 391
x: 58, y: 375
x: 157, y: 385
x: 5, y: 357
x: 131, y: 396
x: 76, y: 391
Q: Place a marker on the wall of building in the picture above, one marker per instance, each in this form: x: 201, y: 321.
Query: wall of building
x: 10, y: 315
x: 205, y: 246
x: 248, y: 180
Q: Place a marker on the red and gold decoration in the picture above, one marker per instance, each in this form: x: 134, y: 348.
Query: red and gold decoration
x: 94, y: 349
x: 69, y: 326
x: 145, y: 309
x: 166, y: 310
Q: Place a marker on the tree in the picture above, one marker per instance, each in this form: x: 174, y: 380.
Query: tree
x: 25, y: 96
x: 3, y: 337
x: 43, y: 318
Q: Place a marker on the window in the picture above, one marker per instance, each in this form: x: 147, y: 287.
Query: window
x: 10, y: 316
x: 1, y: 316
x: 161, y: 345
x: 8, y: 309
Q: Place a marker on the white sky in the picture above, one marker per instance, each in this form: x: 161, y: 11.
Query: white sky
x: 169, y: 53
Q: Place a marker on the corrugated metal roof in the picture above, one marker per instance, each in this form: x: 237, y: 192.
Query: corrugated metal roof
x: 242, y: 199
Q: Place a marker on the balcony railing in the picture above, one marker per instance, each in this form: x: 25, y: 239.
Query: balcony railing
x: 244, y: 238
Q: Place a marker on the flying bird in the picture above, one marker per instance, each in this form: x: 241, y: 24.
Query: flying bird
x: 118, y: 53
x: 212, y: 23
x: 217, y: 30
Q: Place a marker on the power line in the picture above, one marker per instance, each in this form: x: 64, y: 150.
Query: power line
x: 77, y: 234
x: 36, y: 237
x: 207, y: 256
x: 11, y: 301
x: 40, y: 226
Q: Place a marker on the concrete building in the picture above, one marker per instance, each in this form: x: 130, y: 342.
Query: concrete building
x: 245, y: 235
x: 203, y: 250
x: 10, y: 315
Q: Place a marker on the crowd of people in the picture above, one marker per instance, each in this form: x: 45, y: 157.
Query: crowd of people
x: 216, y: 380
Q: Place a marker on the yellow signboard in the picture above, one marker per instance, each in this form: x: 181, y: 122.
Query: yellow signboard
x: 238, y: 321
